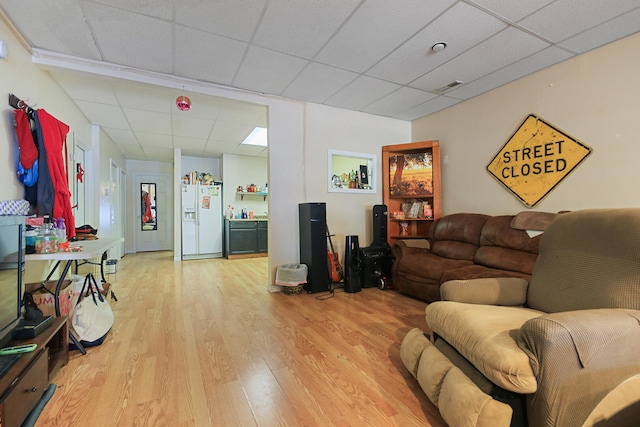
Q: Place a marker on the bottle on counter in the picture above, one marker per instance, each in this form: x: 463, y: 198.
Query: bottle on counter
x: 47, y: 240
x: 266, y: 187
x: 62, y: 231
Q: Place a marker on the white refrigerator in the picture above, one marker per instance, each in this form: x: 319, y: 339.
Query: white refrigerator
x: 202, y: 221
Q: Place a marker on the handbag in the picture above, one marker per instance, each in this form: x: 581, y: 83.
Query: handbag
x: 92, y: 318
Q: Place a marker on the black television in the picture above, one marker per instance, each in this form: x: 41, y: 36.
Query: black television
x: 12, y: 254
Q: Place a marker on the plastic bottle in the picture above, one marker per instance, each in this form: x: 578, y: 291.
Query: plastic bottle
x: 62, y: 231
x: 266, y: 187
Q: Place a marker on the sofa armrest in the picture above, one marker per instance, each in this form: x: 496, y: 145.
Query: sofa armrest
x: 510, y: 291
x: 406, y: 247
x: 578, y: 357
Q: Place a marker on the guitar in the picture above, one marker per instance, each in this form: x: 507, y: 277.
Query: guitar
x: 335, y: 269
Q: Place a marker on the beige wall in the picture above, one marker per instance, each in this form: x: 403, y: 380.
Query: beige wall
x: 594, y: 97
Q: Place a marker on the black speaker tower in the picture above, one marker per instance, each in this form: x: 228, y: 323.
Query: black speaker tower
x: 313, y: 245
x: 380, y: 215
x: 376, y: 259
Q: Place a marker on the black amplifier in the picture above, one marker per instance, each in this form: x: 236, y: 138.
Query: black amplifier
x: 376, y: 266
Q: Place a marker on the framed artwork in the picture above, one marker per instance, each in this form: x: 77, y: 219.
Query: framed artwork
x: 411, y: 174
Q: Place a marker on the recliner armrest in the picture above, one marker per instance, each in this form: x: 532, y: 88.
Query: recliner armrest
x: 578, y: 357
x: 406, y: 247
x: 508, y: 291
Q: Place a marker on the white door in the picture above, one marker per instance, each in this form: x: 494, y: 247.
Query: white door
x: 160, y: 238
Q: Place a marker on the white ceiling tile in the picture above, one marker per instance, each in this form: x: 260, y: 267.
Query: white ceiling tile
x: 133, y: 152
x: 192, y: 127
x: 121, y: 136
x: 301, y: 28
x: 376, y: 28
x: 84, y: 87
x: 243, y: 113
x: 159, y: 154
x: 40, y: 26
x: 207, y: 57
x: 565, y: 18
x: 131, y: 39
x: 361, y: 92
x: 148, y: 121
x: 156, y: 8
x: 157, y: 140
x: 604, y: 33
x: 537, y: 61
x: 512, y: 10
x: 141, y: 96
x: 317, y: 82
x: 267, y: 71
x: 236, y: 19
x: 504, y: 48
x: 398, y: 101
x: 231, y: 131
x: 103, y: 115
x: 416, y: 56
x: 436, y: 104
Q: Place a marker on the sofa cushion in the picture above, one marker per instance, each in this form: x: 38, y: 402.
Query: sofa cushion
x: 475, y: 271
x: 428, y: 267
x: 457, y: 236
x: 486, y: 336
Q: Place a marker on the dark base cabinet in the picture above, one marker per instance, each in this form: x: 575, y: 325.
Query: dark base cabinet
x: 246, y: 238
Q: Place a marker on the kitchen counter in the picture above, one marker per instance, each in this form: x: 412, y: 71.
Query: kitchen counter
x: 246, y: 238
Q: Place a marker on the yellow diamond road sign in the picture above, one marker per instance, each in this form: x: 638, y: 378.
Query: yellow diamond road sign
x: 536, y: 159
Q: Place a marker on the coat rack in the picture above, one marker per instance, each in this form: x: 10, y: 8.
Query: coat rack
x: 18, y: 103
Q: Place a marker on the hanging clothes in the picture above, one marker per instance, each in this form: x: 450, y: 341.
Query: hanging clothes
x: 51, y: 141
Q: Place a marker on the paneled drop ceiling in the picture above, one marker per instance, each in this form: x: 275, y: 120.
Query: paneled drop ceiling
x: 372, y: 56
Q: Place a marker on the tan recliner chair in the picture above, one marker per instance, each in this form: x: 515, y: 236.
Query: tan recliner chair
x: 562, y: 350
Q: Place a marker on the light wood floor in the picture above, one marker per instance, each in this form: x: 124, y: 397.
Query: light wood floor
x: 202, y: 343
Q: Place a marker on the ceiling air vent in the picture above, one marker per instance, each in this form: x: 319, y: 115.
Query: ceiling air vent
x: 448, y: 87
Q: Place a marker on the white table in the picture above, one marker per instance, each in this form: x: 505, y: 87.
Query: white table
x: 91, y: 249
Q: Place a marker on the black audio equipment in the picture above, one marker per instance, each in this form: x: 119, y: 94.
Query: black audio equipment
x: 352, y: 268
x: 380, y: 215
x: 313, y: 245
x: 376, y: 260
x: 376, y: 266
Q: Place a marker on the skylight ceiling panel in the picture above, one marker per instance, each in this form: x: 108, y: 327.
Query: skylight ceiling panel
x: 267, y: 71
x: 416, y: 56
x: 539, y: 60
x: 376, y: 29
x: 236, y: 19
x: 317, y: 82
x: 503, y: 49
x: 361, y: 92
x: 105, y: 115
x: 565, y: 18
x: 301, y: 28
x: 207, y: 57
x: 41, y: 25
x: 130, y: 39
x: 148, y: 121
x: 602, y: 34
x: 398, y: 101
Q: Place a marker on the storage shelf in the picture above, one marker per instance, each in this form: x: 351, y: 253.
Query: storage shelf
x: 408, y: 237
x: 412, y: 197
x: 247, y: 193
x: 410, y: 219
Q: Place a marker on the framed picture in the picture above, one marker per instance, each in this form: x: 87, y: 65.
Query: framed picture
x: 411, y: 174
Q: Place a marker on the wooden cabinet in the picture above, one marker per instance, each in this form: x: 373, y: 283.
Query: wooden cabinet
x: 411, y: 180
x: 246, y: 238
x: 23, y: 385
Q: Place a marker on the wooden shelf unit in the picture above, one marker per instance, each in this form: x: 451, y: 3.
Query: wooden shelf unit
x: 23, y: 385
x: 417, y: 228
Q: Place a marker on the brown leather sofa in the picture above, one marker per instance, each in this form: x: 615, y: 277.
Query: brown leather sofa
x: 463, y: 246
x: 560, y: 349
